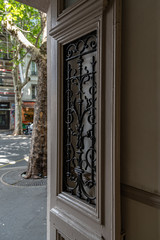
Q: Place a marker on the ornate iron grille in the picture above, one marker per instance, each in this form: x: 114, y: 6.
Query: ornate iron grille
x: 80, y: 117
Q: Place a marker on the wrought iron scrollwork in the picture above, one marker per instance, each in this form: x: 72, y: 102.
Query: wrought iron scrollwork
x: 79, y: 124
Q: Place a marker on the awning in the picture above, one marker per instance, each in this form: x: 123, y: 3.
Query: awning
x: 28, y: 104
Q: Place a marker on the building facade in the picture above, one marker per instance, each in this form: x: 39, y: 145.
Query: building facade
x: 7, y: 94
x: 29, y: 93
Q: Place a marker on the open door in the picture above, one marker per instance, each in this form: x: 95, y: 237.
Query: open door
x: 83, y: 120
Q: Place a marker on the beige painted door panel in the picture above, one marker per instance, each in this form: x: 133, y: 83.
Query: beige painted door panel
x: 83, y: 189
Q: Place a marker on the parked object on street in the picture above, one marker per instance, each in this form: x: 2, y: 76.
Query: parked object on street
x: 28, y: 130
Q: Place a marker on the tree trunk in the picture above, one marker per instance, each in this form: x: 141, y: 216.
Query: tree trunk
x: 18, y: 112
x: 18, y: 102
x: 37, y: 166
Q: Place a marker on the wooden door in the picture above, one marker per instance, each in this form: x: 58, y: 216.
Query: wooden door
x: 83, y: 117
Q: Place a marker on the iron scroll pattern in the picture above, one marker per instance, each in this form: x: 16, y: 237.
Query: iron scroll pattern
x: 79, y: 114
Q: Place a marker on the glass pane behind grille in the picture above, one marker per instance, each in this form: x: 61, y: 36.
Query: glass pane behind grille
x: 79, y: 125
x: 68, y: 3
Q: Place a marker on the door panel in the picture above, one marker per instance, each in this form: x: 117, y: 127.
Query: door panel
x: 83, y: 144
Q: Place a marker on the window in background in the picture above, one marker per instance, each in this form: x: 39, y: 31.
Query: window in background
x: 33, y: 69
x: 34, y: 91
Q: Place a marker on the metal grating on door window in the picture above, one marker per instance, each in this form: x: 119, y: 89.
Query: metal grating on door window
x: 79, y: 124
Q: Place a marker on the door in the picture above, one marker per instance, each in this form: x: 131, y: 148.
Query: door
x: 83, y: 120
x: 4, y: 119
x: 4, y: 115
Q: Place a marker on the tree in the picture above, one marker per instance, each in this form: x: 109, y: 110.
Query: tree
x: 27, y: 27
x: 19, y: 83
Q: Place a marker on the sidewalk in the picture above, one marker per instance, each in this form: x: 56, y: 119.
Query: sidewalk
x: 6, y: 132
x: 22, y: 201
x: 14, y: 150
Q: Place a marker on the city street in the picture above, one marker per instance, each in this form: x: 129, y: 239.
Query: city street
x: 22, y: 201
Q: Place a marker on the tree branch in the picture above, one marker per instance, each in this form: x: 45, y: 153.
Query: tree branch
x: 22, y: 57
x: 25, y: 82
x: 25, y: 31
x: 38, y: 36
x: 43, y: 26
x: 19, y: 36
x: 27, y: 79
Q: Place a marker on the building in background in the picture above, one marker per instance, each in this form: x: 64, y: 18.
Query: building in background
x: 7, y: 104
x: 29, y: 93
x: 7, y: 95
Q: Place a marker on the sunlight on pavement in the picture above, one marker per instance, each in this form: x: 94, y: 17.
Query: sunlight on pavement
x: 4, y: 160
x: 12, y: 162
x: 8, y: 154
x: 26, y: 158
x: 13, y: 144
x: 23, y: 143
x: 14, y: 137
x: 14, y: 151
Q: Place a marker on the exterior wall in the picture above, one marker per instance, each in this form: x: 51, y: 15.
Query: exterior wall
x: 140, y: 111
x: 27, y: 90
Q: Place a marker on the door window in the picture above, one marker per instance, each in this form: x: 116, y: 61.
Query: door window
x: 80, y: 118
x: 68, y: 3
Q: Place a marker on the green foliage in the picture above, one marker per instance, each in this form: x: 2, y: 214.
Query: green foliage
x: 27, y: 19
x: 23, y: 16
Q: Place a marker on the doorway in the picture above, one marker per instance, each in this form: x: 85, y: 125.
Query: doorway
x: 4, y: 119
x: 4, y: 115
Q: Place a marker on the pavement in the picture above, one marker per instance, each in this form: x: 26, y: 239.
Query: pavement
x: 22, y: 201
